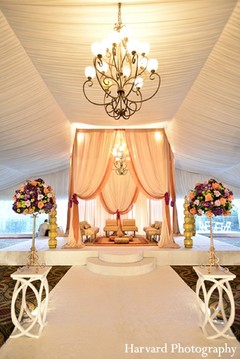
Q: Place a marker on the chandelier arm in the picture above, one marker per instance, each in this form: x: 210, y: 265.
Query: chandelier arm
x: 100, y: 75
x: 117, y: 70
x: 132, y: 78
x: 90, y: 84
x: 111, y: 112
x: 154, y: 93
x: 137, y: 106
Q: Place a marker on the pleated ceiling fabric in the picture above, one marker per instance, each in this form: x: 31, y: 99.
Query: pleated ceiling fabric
x: 45, y: 46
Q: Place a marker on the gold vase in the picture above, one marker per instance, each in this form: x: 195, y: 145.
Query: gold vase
x: 213, y: 259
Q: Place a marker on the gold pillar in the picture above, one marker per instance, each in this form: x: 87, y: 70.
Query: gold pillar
x: 189, y: 225
x: 52, y: 243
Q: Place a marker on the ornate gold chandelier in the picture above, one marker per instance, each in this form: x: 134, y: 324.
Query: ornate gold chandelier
x: 121, y: 66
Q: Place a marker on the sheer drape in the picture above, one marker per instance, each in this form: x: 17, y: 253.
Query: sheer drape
x: 152, y: 168
x: 90, y: 169
x: 119, y: 194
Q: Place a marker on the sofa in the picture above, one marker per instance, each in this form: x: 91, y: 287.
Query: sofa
x: 87, y: 231
x: 111, y: 225
x: 129, y: 225
x: 153, y: 231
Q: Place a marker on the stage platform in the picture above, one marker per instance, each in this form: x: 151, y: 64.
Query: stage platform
x: 17, y: 254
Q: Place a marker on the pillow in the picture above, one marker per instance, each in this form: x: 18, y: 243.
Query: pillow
x: 84, y: 225
x: 157, y: 225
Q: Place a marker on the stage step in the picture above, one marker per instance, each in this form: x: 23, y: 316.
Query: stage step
x: 130, y: 264
x: 120, y: 257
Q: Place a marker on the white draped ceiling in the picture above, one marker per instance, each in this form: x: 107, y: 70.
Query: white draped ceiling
x: 45, y: 45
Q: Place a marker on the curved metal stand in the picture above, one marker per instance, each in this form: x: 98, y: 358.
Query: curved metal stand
x: 211, y: 327
x: 26, y: 322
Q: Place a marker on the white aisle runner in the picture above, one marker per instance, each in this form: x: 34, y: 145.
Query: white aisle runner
x: 105, y: 317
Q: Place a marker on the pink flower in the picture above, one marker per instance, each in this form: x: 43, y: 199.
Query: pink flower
x: 28, y: 203
x: 217, y: 202
x: 217, y: 193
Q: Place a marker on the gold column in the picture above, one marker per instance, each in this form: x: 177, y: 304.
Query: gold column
x: 52, y: 243
x: 189, y: 225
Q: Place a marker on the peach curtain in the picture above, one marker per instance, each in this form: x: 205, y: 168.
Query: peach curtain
x: 91, y: 166
x: 152, y: 168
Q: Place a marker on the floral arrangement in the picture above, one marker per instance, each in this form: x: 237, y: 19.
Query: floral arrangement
x: 34, y: 196
x: 211, y: 198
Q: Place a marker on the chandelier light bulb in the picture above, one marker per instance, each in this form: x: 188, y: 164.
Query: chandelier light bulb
x: 126, y: 71
x: 90, y: 72
x: 124, y: 33
x: 152, y: 65
x: 144, y: 48
x: 98, y: 48
x: 143, y: 63
x: 114, y: 38
x: 133, y: 46
x: 138, y: 82
x: 103, y: 67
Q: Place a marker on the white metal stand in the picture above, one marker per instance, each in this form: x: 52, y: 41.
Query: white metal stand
x: 213, y: 328
x: 26, y: 322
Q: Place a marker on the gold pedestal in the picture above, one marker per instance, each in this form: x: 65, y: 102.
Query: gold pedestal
x: 189, y: 225
x: 52, y: 243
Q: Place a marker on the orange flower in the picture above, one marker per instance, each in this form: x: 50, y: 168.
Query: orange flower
x: 226, y: 214
x: 45, y: 190
x: 216, y: 185
x: 191, y: 195
x: 40, y: 204
x: 209, y: 214
x: 34, y: 183
x: 31, y: 210
x: 208, y: 197
x: 222, y: 201
x: 193, y: 211
x: 230, y: 198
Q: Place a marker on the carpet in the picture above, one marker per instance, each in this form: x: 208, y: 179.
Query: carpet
x: 106, y: 241
x: 190, y: 277
x: 6, y: 290
x: 57, y: 272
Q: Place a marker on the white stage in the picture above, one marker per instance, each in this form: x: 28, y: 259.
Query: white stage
x: 17, y: 254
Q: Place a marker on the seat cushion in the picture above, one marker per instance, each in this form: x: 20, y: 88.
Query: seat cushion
x: 111, y: 222
x: 129, y: 222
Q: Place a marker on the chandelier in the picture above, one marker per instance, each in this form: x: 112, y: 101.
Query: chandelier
x: 120, y: 153
x: 121, y: 66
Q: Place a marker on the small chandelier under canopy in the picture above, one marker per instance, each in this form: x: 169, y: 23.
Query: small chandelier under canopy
x: 120, y: 152
x: 121, y: 67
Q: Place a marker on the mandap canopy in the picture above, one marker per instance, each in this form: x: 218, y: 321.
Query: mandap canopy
x: 151, y: 170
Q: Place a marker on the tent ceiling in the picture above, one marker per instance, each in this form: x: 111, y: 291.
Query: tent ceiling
x: 45, y: 46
